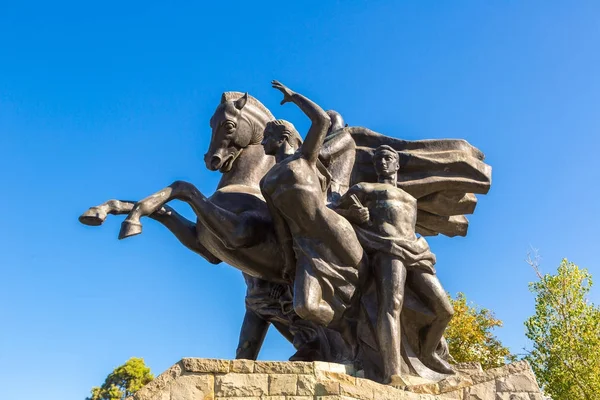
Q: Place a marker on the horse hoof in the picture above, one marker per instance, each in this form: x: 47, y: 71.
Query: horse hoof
x: 93, y: 217
x: 129, y: 228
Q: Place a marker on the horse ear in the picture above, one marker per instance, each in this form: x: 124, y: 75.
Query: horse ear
x: 223, y: 98
x: 241, y: 102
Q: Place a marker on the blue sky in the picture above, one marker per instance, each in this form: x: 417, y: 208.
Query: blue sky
x: 112, y: 100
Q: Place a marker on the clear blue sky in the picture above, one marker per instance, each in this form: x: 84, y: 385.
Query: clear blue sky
x: 112, y: 100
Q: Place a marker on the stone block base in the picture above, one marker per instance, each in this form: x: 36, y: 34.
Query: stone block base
x: 211, y: 379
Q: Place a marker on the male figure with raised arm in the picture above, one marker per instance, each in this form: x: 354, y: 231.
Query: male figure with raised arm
x: 321, y: 249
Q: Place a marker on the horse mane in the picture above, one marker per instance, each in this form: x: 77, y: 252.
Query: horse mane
x: 256, y: 110
x: 232, y: 96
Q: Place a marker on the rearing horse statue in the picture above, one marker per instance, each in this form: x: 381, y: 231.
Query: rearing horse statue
x: 233, y: 225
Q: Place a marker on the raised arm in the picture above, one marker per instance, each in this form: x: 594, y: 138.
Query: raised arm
x: 320, y: 121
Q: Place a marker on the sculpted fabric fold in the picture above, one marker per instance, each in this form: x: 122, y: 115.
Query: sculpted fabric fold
x: 442, y: 174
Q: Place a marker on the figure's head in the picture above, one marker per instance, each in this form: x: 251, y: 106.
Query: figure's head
x: 278, y: 133
x: 238, y: 122
x: 337, y: 121
x: 386, y: 161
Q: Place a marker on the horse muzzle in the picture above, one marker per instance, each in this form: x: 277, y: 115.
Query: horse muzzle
x: 213, y: 163
x: 220, y: 163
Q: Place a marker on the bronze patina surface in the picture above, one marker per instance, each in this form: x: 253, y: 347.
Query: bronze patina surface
x: 328, y: 231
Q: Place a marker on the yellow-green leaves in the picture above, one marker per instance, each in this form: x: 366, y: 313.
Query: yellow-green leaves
x: 565, y: 331
x: 123, y: 381
x: 470, y: 338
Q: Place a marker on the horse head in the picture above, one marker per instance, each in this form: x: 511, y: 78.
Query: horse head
x: 238, y: 122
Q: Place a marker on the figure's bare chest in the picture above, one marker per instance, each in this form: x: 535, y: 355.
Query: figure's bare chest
x: 393, y: 211
x: 379, y: 193
x: 289, y: 174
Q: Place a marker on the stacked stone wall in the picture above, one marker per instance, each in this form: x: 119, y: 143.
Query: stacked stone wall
x: 213, y: 379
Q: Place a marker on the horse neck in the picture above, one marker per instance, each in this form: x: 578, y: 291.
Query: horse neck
x: 249, y: 168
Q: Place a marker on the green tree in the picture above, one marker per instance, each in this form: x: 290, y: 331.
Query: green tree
x: 470, y: 338
x: 565, y: 331
x: 123, y: 381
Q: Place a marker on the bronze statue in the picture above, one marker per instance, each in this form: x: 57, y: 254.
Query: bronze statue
x: 326, y: 251
x: 337, y: 155
x: 385, y: 227
x: 234, y: 224
x: 307, y: 267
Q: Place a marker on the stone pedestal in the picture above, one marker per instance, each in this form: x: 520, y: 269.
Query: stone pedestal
x: 211, y: 379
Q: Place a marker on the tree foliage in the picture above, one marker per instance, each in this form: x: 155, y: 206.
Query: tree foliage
x: 123, y: 381
x: 565, y: 331
x: 470, y: 338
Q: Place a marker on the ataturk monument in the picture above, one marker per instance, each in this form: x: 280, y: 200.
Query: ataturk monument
x: 329, y: 233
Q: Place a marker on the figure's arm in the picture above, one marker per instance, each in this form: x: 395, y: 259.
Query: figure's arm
x: 358, y: 191
x: 320, y: 121
x: 351, y: 208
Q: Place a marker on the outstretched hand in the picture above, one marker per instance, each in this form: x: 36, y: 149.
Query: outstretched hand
x: 287, y: 92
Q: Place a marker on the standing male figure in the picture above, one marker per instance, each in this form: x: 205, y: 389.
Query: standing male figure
x: 385, y: 227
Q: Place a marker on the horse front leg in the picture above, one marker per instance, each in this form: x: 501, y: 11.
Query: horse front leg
x: 95, y: 216
x: 234, y: 230
x: 131, y: 225
x: 181, y: 227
